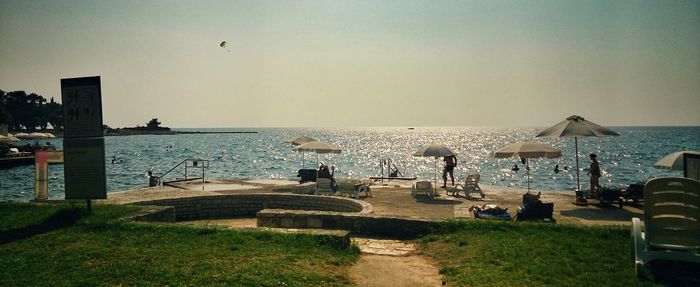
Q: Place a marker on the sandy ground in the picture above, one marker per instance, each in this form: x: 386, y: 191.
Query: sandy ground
x: 386, y: 262
x: 381, y: 270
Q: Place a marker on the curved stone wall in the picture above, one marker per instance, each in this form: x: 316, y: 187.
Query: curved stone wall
x: 239, y: 205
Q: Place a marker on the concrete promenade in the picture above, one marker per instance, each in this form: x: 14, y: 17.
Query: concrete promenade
x: 393, y: 199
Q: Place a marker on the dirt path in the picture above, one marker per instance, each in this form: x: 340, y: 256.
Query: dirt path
x: 392, y: 263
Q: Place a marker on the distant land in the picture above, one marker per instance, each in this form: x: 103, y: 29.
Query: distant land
x: 153, y: 128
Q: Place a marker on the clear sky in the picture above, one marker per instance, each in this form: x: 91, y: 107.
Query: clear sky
x: 363, y: 63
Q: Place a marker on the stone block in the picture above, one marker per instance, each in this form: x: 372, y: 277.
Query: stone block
x: 312, y: 222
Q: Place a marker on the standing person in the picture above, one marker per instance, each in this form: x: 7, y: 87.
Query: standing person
x: 594, y: 171
x: 450, y: 163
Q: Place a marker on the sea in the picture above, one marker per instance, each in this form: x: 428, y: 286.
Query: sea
x: 624, y: 159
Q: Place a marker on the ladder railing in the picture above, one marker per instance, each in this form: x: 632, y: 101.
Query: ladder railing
x: 390, y: 167
x: 188, y: 163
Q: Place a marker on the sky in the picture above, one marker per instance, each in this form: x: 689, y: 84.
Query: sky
x: 363, y: 63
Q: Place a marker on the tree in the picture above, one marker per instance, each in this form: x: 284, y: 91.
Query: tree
x: 5, y: 116
x: 54, y: 114
x: 20, y: 110
x: 154, y: 124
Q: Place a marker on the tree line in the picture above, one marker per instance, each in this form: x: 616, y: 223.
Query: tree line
x: 22, y: 111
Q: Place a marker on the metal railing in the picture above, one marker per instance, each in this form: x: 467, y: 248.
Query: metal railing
x: 188, y: 163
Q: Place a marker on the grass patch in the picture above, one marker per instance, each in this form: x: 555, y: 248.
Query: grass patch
x: 22, y: 215
x: 486, y: 253
x: 100, y: 250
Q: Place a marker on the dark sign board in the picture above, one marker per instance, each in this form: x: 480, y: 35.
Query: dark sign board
x: 82, y: 107
x: 83, y: 142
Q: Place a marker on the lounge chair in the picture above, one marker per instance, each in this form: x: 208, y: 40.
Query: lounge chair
x: 423, y: 187
x: 671, y: 222
x: 323, y: 185
x: 534, y: 209
x: 306, y: 175
x: 608, y: 196
x: 354, y: 189
x: 471, y: 185
x: 633, y: 192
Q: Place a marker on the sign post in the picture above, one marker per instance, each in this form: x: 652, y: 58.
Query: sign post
x: 42, y: 158
x: 83, y: 140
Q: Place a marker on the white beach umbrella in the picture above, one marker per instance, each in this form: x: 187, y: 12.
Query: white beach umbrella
x: 299, y: 140
x: 434, y: 150
x: 8, y: 138
x: 575, y: 127
x: 527, y: 150
x: 21, y: 135
x: 295, y: 141
x: 318, y: 147
x: 674, y: 161
x: 37, y: 135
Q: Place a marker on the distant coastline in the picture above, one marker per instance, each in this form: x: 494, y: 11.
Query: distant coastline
x: 135, y: 131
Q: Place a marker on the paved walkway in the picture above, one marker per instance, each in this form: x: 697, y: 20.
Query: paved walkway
x: 395, y: 199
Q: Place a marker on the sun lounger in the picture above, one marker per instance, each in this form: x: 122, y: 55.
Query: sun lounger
x: 390, y: 178
x: 354, y: 189
x: 671, y: 216
x: 607, y: 195
x: 534, y: 209
x: 306, y: 175
x: 490, y: 211
x: 633, y: 192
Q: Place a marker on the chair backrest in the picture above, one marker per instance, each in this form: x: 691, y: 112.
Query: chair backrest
x: 346, y: 186
x: 691, y: 166
x: 473, y: 179
x: 424, y: 185
x: 323, y: 183
x: 672, y: 213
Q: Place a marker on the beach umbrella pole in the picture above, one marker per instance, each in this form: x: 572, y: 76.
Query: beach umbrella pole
x: 578, y: 182
x: 527, y: 168
x: 435, y: 186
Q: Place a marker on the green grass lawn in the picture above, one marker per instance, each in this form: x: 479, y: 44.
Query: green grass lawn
x: 97, y: 249
x: 486, y: 253
x: 15, y: 216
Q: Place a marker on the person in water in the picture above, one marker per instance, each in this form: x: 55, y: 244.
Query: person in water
x: 515, y: 168
x: 556, y: 168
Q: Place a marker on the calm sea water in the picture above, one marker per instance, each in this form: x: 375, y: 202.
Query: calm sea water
x: 625, y: 159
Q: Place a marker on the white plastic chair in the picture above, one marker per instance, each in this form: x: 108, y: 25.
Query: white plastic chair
x: 671, y: 222
x: 323, y: 185
x: 471, y: 185
x: 422, y: 187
